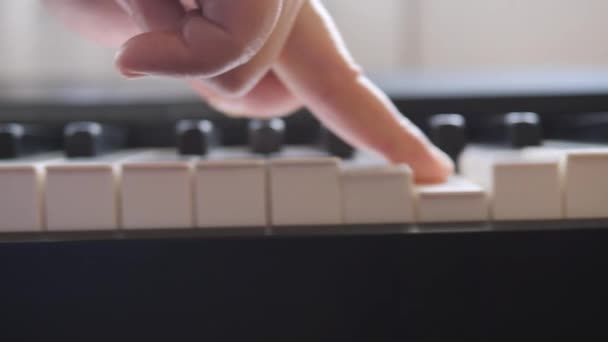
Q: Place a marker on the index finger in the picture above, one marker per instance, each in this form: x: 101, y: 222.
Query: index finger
x: 316, y: 67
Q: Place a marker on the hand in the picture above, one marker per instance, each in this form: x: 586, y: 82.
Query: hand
x: 259, y: 58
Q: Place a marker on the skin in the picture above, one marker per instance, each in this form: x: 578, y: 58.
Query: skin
x: 262, y: 58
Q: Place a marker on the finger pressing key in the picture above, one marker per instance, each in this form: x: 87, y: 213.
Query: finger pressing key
x: 316, y: 67
x: 230, y: 42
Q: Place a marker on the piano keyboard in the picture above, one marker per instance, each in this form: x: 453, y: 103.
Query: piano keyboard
x: 119, y: 234
x: 98, y: 184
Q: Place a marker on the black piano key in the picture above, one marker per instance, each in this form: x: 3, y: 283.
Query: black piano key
x: 17, y: 140
x: 523, y: 129
x: 195, y: 137
x: 90, y: 139
x: 448, y: 132
x: 266, y: 136
x: 10, y: 140
x: 587, y: 127
x: 334, y: 145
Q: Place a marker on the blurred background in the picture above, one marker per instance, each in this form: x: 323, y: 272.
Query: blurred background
x: 384, y: 35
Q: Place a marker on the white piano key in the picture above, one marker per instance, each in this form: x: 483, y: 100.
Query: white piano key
x: 156, y: 191
x: 231, y: 190
x: 21, y: 194
x: 520, y: 187
x: 457, y: 200
x: 81, y: 194
x: 304, y: 189
x: 585, y: 187
x: 583, y: 170
x: 377, y: 193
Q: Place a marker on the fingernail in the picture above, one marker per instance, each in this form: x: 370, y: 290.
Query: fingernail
x: 124, y: 71
x: 132, y: 74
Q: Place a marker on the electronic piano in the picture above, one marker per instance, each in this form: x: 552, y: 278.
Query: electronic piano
x: 130, y: 216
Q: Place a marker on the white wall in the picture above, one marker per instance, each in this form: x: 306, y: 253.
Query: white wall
x: 34, y: 46
x: 468, y: 34
x: 382, y: 34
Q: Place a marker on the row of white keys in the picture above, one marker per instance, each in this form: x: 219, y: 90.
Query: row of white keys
x: 583, y: 169
x: 21, y: 195
x: 230, y: 188
x: 558, y: 180
x: 81, y: 194
x: 302, y: 187
x: 520, y: 187
x: 158, y: 189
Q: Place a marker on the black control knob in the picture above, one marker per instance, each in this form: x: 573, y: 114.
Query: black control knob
x: 194, y: 137
x: 18, y: 140
x: 266, y: 136
x: 523, y: 129
x: 448, y: 133
x: 10, y: 140
x: 90, y: 139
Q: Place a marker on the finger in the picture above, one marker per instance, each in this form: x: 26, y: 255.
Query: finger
x: 264, y: 95
x: 268, y: 99
x: 158, y: 15
x: 91, y: 17
x: 221, y: 36
x: 242, y: 79
x: 316, y: 67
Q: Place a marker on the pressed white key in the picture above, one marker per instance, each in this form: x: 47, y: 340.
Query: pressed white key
x: 457, y: 200
x: 21, y: 194
x: 156, y: 191
x: 81, y: 194
x: 304, y: 190
x: 520, y: 187
x: 377, y: 192
x: 231, y: 190
x: 583, y: 169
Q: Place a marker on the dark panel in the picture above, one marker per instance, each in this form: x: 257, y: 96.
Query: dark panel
x: 505, y: 286
x: 414, y: 287
x: 211, y: 290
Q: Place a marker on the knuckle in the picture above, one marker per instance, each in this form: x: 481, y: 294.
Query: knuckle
x: 232, y: 84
